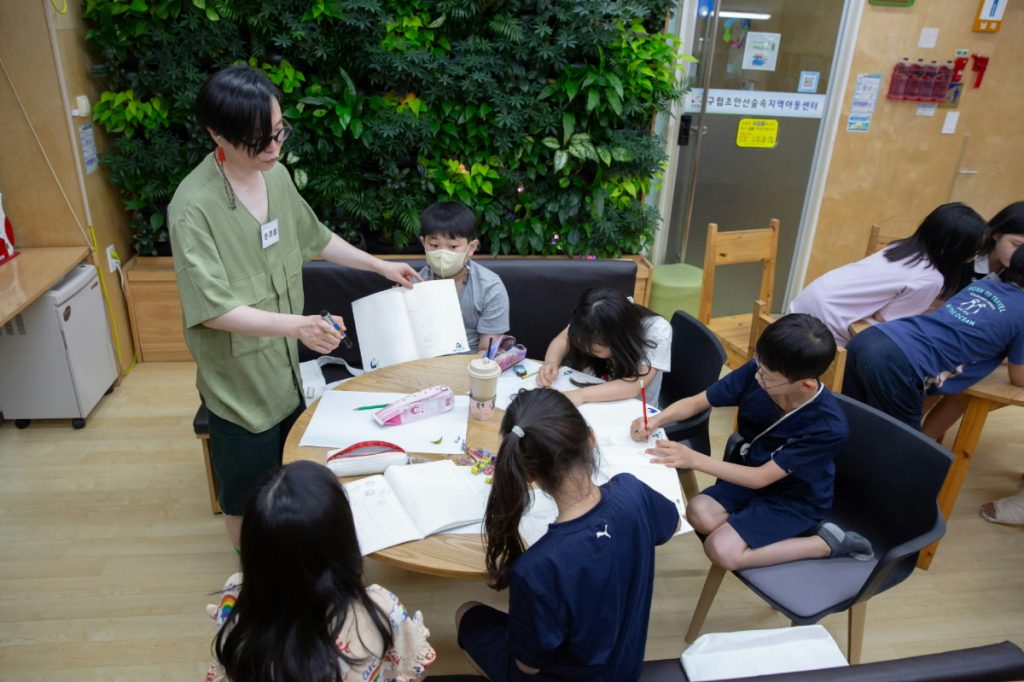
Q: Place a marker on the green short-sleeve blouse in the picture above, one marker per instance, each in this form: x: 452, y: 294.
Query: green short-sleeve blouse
x: 220, y: 264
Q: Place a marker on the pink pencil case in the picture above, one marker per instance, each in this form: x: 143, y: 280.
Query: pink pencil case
x: 416, y: 406
x: 508, y: 352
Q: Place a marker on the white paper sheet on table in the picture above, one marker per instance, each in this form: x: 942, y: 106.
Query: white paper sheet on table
x: 616, y: 459
x: 336, y: 423
x: 509, y: 384
x: 752, y: 653
x: 611, y: 421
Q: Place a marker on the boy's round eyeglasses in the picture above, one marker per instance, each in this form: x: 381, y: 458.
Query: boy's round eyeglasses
x: 282, y: 133
x: 763, y: 380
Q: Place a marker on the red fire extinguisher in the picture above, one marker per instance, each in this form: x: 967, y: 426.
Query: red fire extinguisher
x: 7, y: 251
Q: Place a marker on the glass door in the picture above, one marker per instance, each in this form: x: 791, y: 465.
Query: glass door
x: 750, y: 129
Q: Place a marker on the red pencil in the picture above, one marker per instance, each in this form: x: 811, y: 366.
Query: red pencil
x: 643, y: 397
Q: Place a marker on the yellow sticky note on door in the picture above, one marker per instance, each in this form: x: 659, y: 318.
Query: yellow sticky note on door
x: 758, y: 133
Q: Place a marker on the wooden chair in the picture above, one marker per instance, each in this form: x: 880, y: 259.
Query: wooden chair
x: 759, y: 321
x: 878, y: 241
x: 731, y: 248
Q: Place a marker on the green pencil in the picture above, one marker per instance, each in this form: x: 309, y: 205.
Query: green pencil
x: 371, y: 407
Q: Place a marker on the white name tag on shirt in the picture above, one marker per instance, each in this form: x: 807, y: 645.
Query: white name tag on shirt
x: 270, y: 232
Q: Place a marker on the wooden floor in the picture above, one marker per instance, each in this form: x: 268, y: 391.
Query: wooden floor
x: 109, y: 553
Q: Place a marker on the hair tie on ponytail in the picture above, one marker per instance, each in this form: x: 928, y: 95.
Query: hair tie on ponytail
x: 518, y: 431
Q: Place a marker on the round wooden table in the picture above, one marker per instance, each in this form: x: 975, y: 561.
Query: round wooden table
x: 455, y: 556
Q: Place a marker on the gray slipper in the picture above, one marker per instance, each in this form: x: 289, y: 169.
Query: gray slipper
x: 845, y: 543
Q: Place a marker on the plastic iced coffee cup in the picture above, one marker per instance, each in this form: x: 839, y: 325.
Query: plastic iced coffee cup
x: 483, y: 387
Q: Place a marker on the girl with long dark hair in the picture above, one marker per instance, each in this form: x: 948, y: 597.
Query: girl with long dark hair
x: 615, y: 339
x: 302, y: 613
x: 903, y: 279
x: 1006, y: 235
x: 580, y: 597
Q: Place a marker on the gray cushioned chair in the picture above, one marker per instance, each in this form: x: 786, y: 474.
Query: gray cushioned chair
x: 888, y: 477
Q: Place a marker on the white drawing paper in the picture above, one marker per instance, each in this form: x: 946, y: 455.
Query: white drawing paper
x: 509, y: 384
x: 402, y: 324
x: 336, y: 423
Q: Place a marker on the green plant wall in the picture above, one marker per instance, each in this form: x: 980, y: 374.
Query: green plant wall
x: 536, y: 114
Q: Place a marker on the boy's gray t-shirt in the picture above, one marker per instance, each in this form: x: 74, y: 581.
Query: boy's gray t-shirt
x: 484, y: 303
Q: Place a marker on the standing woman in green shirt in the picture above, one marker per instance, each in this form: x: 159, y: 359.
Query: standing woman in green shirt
x: 240, y: 233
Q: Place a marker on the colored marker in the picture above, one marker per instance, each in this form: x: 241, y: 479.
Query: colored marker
x: 370, y: 407
x: 345, y: 341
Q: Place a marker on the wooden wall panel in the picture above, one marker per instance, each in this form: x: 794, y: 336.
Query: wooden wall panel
x: 41, y: 214
x: 32, y: 196
x: 904, y: 167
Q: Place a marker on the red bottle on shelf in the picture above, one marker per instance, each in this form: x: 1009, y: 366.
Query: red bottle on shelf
x: 898, y: 82
x: 941, y: 84
x: 924, y: 92
x: 914, y: 77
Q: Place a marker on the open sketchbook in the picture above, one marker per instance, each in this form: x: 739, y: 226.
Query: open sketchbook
x: 402, y: 324
x: 411, y: 502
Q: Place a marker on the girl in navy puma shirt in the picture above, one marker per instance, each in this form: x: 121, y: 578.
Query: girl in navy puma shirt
x: 580, y: 597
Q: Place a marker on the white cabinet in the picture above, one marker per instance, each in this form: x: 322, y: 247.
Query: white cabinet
x: 56, y: 360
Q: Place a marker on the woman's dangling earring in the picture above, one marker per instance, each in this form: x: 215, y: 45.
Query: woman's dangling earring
x: 220, y: 154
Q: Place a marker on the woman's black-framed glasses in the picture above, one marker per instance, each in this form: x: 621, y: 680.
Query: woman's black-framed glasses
x: 282, y: 133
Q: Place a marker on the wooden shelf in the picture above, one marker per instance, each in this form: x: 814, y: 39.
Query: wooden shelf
x: 155, y: 310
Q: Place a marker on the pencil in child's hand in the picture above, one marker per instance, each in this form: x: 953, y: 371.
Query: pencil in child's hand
x: 643, y: 397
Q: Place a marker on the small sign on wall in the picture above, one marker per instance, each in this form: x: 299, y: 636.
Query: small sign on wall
x: 757, y: 133
x: 990, y: 16
x: 761, y: 51
x: 87, y: 138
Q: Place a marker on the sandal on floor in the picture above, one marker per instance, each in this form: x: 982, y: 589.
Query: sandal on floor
x: 1008, y: 510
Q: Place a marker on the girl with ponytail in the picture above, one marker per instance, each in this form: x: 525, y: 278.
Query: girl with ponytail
x: 580, y: 597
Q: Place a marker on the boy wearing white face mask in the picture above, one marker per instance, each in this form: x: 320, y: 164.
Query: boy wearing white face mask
x: 448, y: 235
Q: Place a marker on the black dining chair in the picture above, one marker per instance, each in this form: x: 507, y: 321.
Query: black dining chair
x: 888, y: 478
x: 697, y: 360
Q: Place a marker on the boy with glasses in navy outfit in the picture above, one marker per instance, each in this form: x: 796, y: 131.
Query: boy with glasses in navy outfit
x: 764, y: 510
